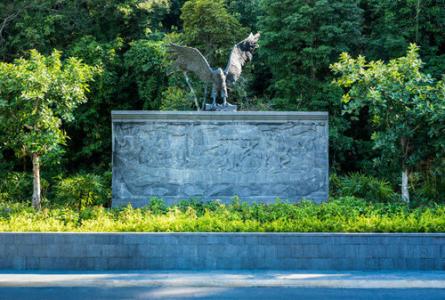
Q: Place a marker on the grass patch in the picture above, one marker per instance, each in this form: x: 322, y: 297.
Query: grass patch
x: 347, y: 214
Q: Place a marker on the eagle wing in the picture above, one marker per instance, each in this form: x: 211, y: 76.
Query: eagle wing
x: 241, y: 54
x: 190, y: 59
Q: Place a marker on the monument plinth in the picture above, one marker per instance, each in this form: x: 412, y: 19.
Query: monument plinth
x: 258, y: 156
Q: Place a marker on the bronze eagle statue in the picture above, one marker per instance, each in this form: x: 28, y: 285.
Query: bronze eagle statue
x: 191, y: 59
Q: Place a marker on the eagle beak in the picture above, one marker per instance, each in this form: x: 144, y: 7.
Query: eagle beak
x: 256, y: 37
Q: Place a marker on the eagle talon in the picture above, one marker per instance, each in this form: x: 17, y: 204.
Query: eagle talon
x: 211, y: 107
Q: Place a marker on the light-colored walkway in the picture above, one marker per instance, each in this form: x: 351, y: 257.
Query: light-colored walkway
x: 223, y: 285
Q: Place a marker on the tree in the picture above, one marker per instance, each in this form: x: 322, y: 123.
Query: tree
x: 406, y: 107
x: 390, y: 26
x: 246, y: 11
x: 99, y: 32
x: 146, y: 65
x: 209, y: 27
x: 300, y: 39
x: 36, y: 95
x: 90, y: 142
x: 48, y: 24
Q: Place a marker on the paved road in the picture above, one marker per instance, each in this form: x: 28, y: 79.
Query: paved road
x: 223, y: 285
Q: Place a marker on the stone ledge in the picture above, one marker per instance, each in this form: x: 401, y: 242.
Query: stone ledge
x: 241, y: 116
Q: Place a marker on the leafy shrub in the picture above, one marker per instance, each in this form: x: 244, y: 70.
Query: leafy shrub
x: 366, y: 187
x: 428, y: 187
x: 146, y: 65
x: 347, y: 214
x: 334, y: 185
x: 17, y: 187
x: 199, y: 206
x: 157, y: 206
x: 176, y: 99
x: 82, y: 190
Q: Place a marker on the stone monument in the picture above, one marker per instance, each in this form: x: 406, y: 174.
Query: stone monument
x: 258, y: 156
x: 219, y: 153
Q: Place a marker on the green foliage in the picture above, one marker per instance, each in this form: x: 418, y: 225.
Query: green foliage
x: 17, y: 186
x: 393, y: 25
x: 146, y: 64
x: 156, y: 206
x: 363, y: 187
x: 346, y: 214
x: 48, y: 24
x: 36, y: 95
x: 246, y: 11
x: 209, y: 27
x: 429, y: 183
x: 176, y: 99
x: 299, y: 40
x: 406, y: 106
x: 125, y: 38
x: 82, y: 190
x: 90, y: 141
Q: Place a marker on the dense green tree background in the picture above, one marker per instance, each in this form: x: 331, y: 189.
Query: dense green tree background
x: 126, y: 39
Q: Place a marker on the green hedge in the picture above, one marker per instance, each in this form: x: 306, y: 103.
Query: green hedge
x: 346, y: 214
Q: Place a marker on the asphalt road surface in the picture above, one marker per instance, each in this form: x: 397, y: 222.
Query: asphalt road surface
x: 222, y: 285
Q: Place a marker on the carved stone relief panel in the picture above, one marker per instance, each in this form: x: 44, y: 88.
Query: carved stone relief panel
x: 181, y: 158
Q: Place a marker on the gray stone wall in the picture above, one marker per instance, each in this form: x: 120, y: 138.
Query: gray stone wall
x: 189, y: 251
x: 258, y: 156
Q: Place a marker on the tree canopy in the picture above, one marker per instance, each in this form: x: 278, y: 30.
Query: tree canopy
x: 126, y: 40
x: 36, y: 95
x: 406, y: 108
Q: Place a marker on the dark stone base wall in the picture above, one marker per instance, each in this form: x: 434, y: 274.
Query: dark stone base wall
x: 192, y: 251
x: 258, y: 156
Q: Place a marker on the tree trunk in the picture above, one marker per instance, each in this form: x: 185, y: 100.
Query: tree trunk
x: 404, y: 143
x: 405, y: 191
x: 417, y: 21
x: 36, y: 203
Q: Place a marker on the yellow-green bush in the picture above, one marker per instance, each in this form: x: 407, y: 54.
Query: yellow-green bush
x: 346, y: 214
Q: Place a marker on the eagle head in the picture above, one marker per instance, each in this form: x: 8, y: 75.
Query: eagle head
x: 251, y: 43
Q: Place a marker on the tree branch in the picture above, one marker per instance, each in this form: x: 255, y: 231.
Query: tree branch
x: 15, y: 14
x: 5, y: 22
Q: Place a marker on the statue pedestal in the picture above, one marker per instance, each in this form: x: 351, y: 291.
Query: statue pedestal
x: 220, y: 107
x: 258, y: 156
